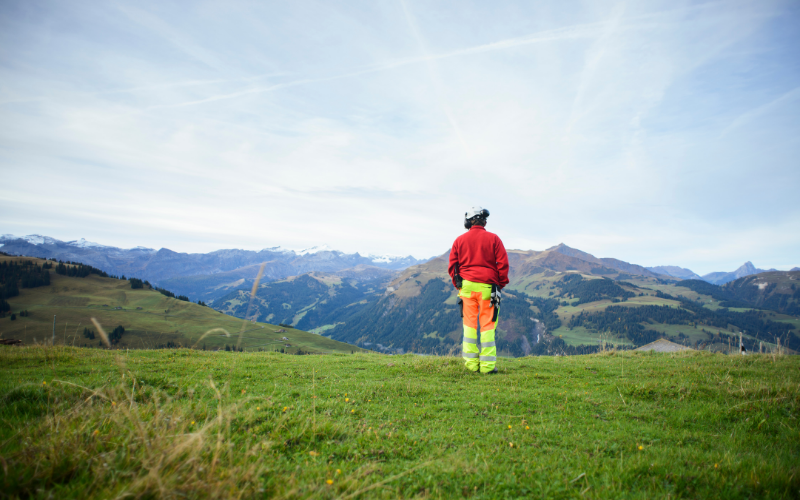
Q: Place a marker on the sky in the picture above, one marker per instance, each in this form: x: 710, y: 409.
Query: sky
x: 659, y: 133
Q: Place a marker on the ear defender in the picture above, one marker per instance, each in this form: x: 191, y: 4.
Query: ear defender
x: 473, y: 214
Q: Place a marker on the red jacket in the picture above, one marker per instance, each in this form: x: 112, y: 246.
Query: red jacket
x: 481, y: 258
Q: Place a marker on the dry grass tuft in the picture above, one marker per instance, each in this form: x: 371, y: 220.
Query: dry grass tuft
x: 122, y: 442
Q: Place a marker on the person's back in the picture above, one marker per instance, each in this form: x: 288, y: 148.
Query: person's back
x: 479, y: 269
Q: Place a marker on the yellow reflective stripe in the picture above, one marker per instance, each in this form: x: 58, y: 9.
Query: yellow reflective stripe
x: 470, y: 286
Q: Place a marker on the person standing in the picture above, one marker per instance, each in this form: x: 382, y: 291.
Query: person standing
x: 479, y: 270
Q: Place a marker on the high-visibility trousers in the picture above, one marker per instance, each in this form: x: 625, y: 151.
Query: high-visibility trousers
x: 478, y: 312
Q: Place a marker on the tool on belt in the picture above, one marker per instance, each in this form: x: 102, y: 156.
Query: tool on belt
x: 459, y: 283
x: 495, y: 301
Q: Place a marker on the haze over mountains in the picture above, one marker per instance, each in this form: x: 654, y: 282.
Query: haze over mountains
x: 212, y: 275
x: 717, y: 278
x: 163, y: 264
x: 559, y: 300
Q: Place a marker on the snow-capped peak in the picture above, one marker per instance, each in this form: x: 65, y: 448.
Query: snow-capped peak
x: 385, y: 259
x: 278, y: 249
x: 33, y: 239
x: 305, y: 251
x: 316, y: 249
x: 382, y: 258
x: 82, y: 243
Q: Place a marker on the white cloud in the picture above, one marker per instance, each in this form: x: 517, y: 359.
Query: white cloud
x: 655, y: 133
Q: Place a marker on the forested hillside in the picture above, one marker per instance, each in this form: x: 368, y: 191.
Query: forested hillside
x: 561, y: 301
x: 314, y: 301
x: 551, y: 309
x: 431, y: 322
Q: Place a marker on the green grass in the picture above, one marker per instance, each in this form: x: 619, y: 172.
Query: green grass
x: 324, y: 328
x: 581, y: 336
x: 86, y: 423
x: 150, y: 319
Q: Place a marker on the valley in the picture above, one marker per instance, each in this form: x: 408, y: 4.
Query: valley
x: 559, y: 301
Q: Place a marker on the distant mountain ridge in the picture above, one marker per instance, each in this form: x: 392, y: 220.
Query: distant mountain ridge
x: 675, y: 272
x: 715, y: 278
x: 616, y: 264
x: 165, y: 264
x: 746, y: 269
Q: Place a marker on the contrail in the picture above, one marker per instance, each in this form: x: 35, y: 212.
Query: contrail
x: 579, y: 31
x: 573, y: 32
x: 764, y: 108
x: 437, y: 84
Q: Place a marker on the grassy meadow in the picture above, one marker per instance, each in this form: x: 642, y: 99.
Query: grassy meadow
x: 91, y: 423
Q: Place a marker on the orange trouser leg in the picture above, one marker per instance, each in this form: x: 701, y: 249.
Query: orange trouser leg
x: 488, y: 355
x: 469, y: 346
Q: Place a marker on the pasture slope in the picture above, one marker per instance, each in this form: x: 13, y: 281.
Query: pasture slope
x: 150, y: 319
x: 90, y: 423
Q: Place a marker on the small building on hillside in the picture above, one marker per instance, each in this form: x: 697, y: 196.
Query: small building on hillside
x: 663, y: 345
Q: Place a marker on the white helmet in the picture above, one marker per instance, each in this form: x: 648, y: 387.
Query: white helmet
x: 473, y: 214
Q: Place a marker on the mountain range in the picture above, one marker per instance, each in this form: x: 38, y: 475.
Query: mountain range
x: 559, y: 300
x: 563, y: 300
x: 716, y: 278
x: 212, y: 275
x: 163, y: 266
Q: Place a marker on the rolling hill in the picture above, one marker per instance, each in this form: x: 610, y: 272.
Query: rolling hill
x: 149, y: 318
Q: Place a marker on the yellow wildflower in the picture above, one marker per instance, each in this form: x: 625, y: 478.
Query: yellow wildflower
x: 329, y: 481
